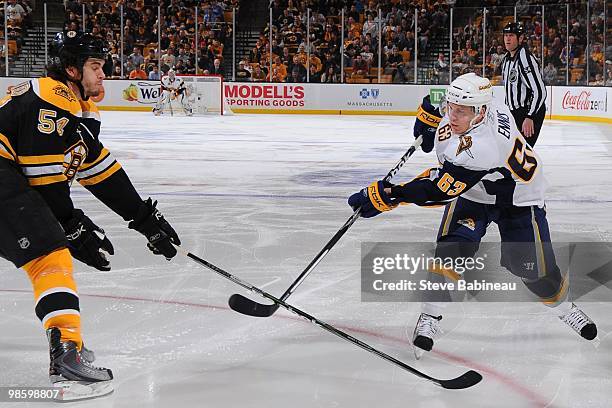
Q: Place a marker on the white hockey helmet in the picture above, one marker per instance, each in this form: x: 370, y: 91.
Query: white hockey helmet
x: 470, y: 90
x: 171, y: 73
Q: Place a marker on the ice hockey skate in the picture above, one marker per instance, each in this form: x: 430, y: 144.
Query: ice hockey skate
x: 71, y: 370
x: 425, y: 332
x: 580, y: 323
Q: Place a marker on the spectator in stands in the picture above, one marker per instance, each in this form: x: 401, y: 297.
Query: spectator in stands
x: 281, y: 70
x: 598, y: 80
x: 314, y: 75
x: 368, y: 55
x: 154, y: 73
x: 242, y: 75
x: 550, y: 74
x: 394, y: 59
x: 168, y: 60
x: 15, y: 11
x: 370, y: 26
x: 286, y: 57
x: 298, y: 65
x: 330, y: 76
x: 360, y: 66
x: 216, y: 69
x: 258, y: 75
x: 441, y: 69
x: 316, y: 63
x: 138, y: 73
x: 116, y: 72
x: 136, y: 57
x: 151, y: 58
x: 295, y: 76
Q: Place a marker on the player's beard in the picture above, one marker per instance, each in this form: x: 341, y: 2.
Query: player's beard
x: 92, y: 90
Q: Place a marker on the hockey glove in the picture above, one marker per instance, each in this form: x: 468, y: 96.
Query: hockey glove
x: 373, y: 200
x: 87, y: 242
x: 426, y: 123
x: 152, y: 224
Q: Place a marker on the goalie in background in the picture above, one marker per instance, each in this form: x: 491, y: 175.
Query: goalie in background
x: 172, y: 88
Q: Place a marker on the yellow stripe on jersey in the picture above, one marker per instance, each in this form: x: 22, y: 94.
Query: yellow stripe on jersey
x: 6, y: 150
x: 448, y: 218
x: 560, y: 296
x: 45, y: 159
x: 5, y: 154
x: 101, y: 157
x: 102, y: 176
x: 45, y: 180
x: 57, y: 94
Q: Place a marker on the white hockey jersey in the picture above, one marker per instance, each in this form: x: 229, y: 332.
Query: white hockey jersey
x: 172, y: 84
x: 490, y: 164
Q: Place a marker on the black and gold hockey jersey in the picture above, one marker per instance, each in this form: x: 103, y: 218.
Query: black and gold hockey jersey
x: 53, y: 138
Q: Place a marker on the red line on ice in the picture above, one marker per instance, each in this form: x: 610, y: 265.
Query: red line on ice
x: 532, y: 396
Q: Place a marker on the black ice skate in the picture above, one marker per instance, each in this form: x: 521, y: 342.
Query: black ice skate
x: 426, y: 330
x: 72, y: 371
x: 580, y: 322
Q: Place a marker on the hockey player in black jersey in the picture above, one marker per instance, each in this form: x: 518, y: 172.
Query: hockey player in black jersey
x: 48, y: 139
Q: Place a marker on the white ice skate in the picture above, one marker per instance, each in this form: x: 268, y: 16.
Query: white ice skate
x: 580, y: 322
x: 425, y: 332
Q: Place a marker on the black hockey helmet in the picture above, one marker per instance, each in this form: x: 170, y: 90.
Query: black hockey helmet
x: 72, y: 49
x: 514, y: 28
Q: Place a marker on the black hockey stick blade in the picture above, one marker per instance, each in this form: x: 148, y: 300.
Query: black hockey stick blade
x: 244, y: 305
x: 466, y: 380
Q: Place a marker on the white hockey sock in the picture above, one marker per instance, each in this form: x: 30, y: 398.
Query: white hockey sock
x: 561, y: 309
x: 433, y: 309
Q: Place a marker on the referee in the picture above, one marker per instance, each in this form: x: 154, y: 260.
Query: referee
x: 525, y: 90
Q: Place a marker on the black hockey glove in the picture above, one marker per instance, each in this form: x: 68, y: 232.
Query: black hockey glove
x: 151, y: 223
x: 426, y: 123
x: 87, y: 242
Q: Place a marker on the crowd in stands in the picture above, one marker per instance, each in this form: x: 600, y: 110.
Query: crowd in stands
x: 296, y: 58
x: 369, y: 26
x: 546, y: 41
x: 290, y: 60
x: 141, y: 57
x: 18, y: 17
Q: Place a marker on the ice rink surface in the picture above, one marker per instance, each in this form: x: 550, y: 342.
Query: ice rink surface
x: 259, y: 196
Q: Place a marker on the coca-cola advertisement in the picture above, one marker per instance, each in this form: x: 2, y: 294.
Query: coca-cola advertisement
x: 585, y: 99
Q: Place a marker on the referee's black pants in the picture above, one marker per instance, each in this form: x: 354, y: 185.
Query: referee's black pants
x: 519, y: 116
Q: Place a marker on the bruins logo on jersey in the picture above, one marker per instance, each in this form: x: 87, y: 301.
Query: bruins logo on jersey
x: 62, y: 91
x: 73, y: 159
x: 465, y: 143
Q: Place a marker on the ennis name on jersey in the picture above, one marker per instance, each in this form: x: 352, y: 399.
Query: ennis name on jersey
x: 490, y: 164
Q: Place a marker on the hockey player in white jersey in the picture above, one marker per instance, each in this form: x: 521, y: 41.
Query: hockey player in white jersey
x: 487, y: 173
x: 172, y: 88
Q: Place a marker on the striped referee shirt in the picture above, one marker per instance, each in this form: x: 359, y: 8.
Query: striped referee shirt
x: 523, y: 81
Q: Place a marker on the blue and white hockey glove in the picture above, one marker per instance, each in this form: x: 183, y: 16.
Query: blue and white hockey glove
x: 426, y: 123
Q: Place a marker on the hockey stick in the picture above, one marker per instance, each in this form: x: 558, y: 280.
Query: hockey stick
x: 466, y: 380
x: 244, y: 305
